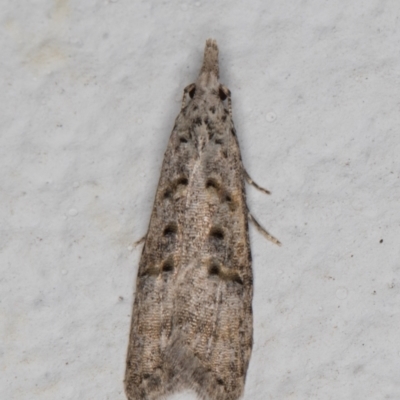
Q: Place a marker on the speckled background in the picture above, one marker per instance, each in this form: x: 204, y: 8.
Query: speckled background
x: 90, y: 90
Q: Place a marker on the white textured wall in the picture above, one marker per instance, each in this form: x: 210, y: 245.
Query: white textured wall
x: 89, y: 93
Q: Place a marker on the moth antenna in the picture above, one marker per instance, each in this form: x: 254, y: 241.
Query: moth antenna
x: 140, y: 241
x: 251, y: 182
x: 263, y: 231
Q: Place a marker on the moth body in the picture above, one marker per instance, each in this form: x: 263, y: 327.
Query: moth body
x: 192, y: 323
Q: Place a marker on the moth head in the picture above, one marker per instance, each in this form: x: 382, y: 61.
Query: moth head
x: 210, y: 62
x: 209, y: 73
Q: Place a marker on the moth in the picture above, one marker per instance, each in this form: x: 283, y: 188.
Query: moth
x: 192, y: 323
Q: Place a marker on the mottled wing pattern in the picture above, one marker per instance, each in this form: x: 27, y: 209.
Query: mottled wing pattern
x: 192, y: 316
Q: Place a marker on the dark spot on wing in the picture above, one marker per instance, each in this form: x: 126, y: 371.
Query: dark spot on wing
x: 236, y: 278
x: 167, y: 194
x: 197, y: 121
x: 213, y: 269
x: 222, y: 94
x: 168, y: 265
x: 182, y: 181
x: 217, y: 233
x: 227, y: 198
x: 212, y: 183
x: 170, y: 230
x: 192, y: 92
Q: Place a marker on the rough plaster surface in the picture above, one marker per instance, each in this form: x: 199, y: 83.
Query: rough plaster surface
x: 90, y: 90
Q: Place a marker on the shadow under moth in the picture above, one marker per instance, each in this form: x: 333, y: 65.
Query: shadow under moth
x: 192, y: 323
